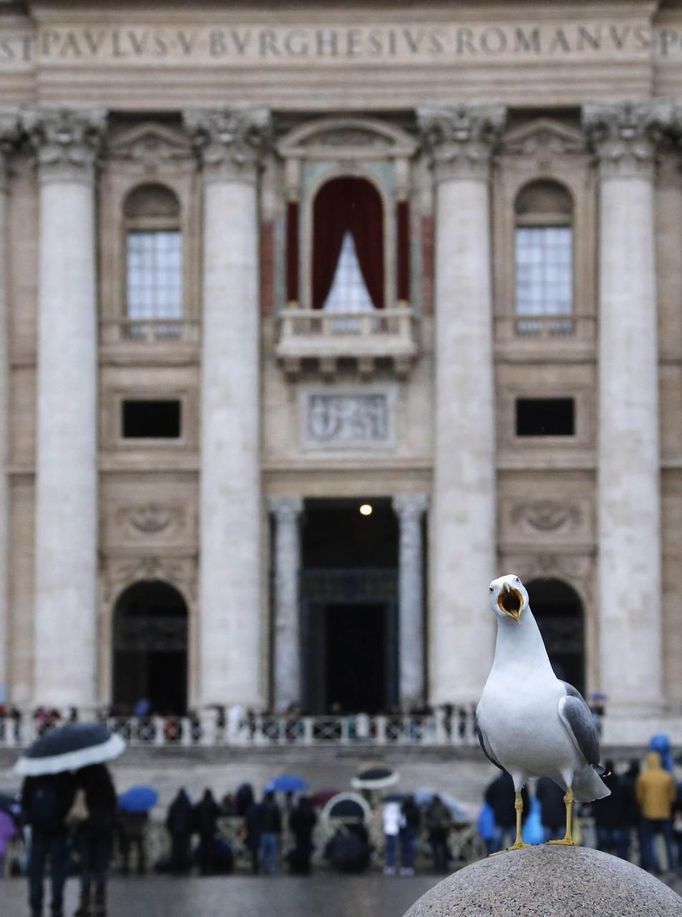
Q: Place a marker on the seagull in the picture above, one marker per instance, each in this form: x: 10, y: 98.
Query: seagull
x: 529, y: 722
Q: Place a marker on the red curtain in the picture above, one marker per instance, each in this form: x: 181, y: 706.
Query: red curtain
x: 292, y: 251
x: 348, y: 205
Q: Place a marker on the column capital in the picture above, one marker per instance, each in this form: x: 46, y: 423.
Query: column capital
x: 410, y: 505
x: 230, y: 142
x: 460, y: 139
x: 66, y: 141
x: 285, y: 508
x: 624, y: 135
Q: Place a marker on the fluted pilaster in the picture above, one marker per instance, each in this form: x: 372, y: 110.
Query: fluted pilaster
x: 460, y: 142
x: 229, y: 143
x: 66, y: 143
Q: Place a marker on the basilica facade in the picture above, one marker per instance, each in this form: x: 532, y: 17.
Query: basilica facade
x: 314, y: 320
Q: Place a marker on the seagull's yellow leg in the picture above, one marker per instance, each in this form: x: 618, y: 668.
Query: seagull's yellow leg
x: 518, y: 805
x: 518, y: 843
x: 567, y: 841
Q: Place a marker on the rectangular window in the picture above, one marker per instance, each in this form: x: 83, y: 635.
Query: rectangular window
x: 545, y: 417
x: 154, y: 274
x: 544, y: 274
x: 158, y: 419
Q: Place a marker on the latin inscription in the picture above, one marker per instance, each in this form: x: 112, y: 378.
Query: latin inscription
x: 251, y: 44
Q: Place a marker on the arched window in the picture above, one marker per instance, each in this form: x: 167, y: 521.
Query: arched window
x: 348, y: 246
x: 559, y: 613
x: 153, y: 245
x: 543, y: 244
x: 150, y: 648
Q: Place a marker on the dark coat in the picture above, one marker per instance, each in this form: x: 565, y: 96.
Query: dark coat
x: 180, y: 817
x: 551, y: 799
x: 302, y: 820
x: 206, y: 813
x: 53, y: 792
x: 500, y: 798
x: 100, y: 799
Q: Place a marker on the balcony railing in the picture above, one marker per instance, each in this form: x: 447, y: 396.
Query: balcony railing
x: 149, y: 331
x: 324, y: 338
x: 581, y: 328
x: 263, y: 730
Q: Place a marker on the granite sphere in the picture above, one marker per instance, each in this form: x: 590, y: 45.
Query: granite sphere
x: 549, y: 881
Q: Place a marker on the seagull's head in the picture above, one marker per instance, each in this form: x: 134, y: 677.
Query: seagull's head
x: 508, y: 597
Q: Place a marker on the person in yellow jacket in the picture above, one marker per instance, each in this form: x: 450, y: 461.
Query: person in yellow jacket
x: 656, y: 791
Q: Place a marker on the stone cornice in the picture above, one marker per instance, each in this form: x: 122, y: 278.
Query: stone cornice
x: 625, y: 135
x: 230, y: 142
x: 460, y: 139
x: 66, y: 141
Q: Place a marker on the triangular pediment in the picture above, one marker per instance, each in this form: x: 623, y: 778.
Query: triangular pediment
x: 352, y: 134
x: 149, y: 140
x: 544, y: 134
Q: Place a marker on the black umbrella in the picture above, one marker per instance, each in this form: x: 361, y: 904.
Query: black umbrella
x: 68, y: 748
x: 346, y: 807
x: 375, y: 778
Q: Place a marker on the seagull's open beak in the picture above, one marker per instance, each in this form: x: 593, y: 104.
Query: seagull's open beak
x: 510, y: 602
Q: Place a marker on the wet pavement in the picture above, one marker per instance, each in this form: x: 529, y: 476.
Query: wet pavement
x: 321, y: 895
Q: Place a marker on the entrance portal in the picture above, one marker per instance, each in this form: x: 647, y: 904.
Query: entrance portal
x: 150, y: 648
x: 349, y: 605
x: 355, y: 653
x: 559, y: 613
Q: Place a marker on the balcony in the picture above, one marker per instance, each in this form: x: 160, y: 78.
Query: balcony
x: 324, y: 339
x: 556, y: 336
x: 149, y: 331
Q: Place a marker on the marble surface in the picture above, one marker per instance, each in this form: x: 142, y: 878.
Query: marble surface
x: 546, y: 881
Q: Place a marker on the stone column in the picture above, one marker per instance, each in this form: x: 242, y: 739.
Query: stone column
x: 230, y: 144
x: 629, y: 502
x: 410, y: 508
x: 460, y: 141
x: 287, y: 654
x: 65, y: 649
x: 9, y: 133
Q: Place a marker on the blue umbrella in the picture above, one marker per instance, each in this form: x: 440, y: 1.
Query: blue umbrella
x: 138, y: 799
x: 287, y: 783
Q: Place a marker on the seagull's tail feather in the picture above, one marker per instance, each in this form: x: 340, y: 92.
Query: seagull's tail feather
x: 588, y: 785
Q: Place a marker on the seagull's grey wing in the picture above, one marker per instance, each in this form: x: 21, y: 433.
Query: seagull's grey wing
x: 485, y: 745
x: 577, y: 718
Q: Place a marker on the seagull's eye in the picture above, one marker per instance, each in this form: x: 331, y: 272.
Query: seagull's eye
x: 517, y: 579
x: 492, y: 588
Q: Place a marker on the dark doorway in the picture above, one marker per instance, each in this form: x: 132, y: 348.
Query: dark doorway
x: 355, y: 651
x: 349, y: 605
x: 150, y: 648
x: 559, y: 613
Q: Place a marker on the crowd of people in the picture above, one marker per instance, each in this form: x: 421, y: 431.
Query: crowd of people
x: 75, y: 822
x: 644, y: 803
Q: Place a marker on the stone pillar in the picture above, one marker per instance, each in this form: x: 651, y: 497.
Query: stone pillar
x: 410, y: 508
x: 9, y: 133
x: 65, y: 626
x: 287, y: 654
x: 460, y: 141
x: 629, y: 502
x: 230, y: 144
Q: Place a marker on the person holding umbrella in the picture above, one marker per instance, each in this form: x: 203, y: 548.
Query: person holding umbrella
x: 48, y: 794
x: 133, y: 817
x: 95, y: 837
x: 45, y: 802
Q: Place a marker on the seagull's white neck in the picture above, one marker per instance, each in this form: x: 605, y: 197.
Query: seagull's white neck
x: 520, y: 643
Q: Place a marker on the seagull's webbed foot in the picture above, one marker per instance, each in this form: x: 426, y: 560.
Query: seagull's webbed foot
x: 567, y: 840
